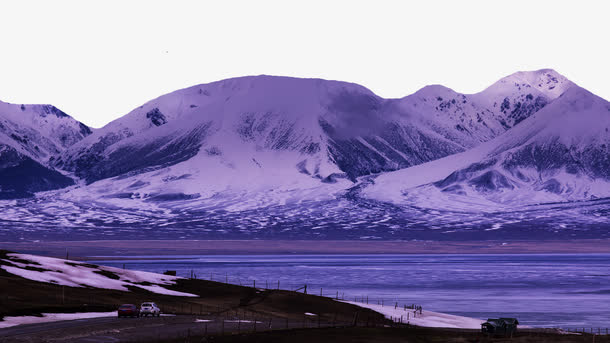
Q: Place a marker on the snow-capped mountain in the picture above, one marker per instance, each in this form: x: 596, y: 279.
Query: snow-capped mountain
x: 30, y: 136
x: 322, y: 129
x: 286, y: 157
x: 39, y: 131
x: 560, y: 154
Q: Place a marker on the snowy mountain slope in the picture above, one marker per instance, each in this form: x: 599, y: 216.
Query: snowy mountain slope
x: 21, y: 176
x: 39, y: 131
x: 452, y: 121
x: 331, y: 127
x: 30, y: 136
x: 559, y: 154
x: 282, y: 129
x: 289, y: 158
x: 471, y: 119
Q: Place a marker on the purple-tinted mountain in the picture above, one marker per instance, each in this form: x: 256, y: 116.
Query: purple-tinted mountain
x: 277, y: 157
x: 30, y: 137
x: 331, y: 128
x: 560, y: 156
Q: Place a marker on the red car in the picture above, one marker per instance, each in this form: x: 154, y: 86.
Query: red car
x: 128, y: 310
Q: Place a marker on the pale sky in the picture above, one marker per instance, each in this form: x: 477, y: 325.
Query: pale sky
x: 98, y: 60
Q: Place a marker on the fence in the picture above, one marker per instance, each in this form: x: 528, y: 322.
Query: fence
x: 590, y: 330
x: 196, y: 308
x: 271, y: 285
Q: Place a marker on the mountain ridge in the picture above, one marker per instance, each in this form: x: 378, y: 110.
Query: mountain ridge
x: 560, y: 155
x: 357, y: 131
x: 272, y: 157
x: 30, y: 137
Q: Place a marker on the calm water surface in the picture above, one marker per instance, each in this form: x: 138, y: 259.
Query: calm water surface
x: 549, y: 290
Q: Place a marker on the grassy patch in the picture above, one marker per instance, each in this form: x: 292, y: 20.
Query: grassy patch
x: 4, y: 255
x: 86, y: 265
x: 36, y: 269
x: 107, y: 274
x: 22, y: 261
x: 143, y: 283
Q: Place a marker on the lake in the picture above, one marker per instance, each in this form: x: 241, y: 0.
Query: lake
x: 541, y: 290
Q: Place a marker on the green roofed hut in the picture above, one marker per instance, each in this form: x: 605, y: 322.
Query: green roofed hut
x: 500, y: 326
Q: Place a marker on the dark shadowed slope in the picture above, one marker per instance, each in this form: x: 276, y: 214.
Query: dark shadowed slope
x: 30, y: 137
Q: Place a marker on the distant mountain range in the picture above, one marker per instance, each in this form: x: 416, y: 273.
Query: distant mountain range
x: 279, y: 157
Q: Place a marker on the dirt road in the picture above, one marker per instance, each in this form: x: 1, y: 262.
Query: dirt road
x: 110, y: 329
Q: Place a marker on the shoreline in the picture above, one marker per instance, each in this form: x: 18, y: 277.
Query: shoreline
x: 424, y: 318
x: 110, y: 248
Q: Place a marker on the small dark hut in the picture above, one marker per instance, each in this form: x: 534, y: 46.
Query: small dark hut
x: 500, y: 326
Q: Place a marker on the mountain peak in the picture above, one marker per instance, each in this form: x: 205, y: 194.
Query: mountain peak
x: 434, y: 91
x: 39, y: 131
x: 548, y: 82
x: 277, y: 84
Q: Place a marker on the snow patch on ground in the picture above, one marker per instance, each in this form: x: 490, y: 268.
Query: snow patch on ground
x: 79, y: 274
x: 426, y: 318
x: 52, y: 317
